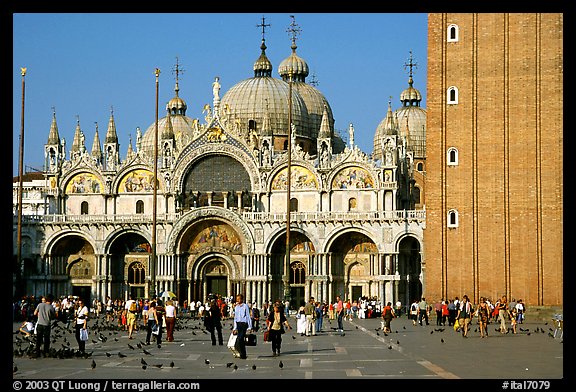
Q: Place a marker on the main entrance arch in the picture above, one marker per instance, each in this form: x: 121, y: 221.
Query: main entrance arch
x: 214, y: 254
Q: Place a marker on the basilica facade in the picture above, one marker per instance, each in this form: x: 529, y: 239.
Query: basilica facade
x: 223, y: 186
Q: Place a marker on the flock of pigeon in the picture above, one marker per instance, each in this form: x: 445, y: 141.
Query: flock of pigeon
x: 64, y: 346
x: 63, y: 343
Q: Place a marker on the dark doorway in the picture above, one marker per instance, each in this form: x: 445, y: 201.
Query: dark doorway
x: 216, y: 285
x: 356, y: 292
x: 137, y: 291
x: 296, y: 297
x: 83, y: 292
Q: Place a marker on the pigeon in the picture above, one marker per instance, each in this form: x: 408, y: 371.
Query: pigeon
x: 121, y: 355
x: 207, y: 361
x: 431, y: 332
x: 144, y: 367
x: 442, y: 340
x: 229, y: 364
x: 390, y: 347
x: 139, y: 345
x: 378, y: 333
x: 281, y: 365
x: 172, y: 364
x: 146, y: 352
x: 131, y: 347
x: 15, y: 369
x: 108, y: 355
x: 142, y: 361
x: 93, y: 364
x: 158, y: 365
x: 293, y: 337
x: 235, y: 367
x: 398, y: 342
x: 253, y: 367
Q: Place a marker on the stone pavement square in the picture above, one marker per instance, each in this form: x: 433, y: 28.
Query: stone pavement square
x: 365, y: 353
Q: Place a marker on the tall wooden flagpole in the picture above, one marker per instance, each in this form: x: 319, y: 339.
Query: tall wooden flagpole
x: 152, y: 290
x: 18, y: 283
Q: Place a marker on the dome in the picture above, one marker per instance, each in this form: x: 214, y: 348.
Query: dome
x: 250, y: 99
x: 412, y: 123
x: 182, y: 126
x: 176, y: 106
x: 411, y: 96
x: 293, y: 65
x: 315, y: 102
x: 263, y: 66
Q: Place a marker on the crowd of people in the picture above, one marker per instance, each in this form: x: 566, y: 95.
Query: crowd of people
x: 158, y: 314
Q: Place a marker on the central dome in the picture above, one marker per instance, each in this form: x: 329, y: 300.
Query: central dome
x: 252, y: 98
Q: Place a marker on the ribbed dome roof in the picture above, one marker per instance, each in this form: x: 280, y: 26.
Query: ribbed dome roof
x: 293, y: 65
x: 315, y: 102
x: 412, y: 125
x: 182, y: 127
x: 176, y: 106
x: 411, y: 95
x: 250, y: 99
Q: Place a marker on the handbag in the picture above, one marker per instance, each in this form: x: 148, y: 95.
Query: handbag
x: 266, y: 336
x: 250, y: 339
x: 232, y: 340
x: 155, y: 329
x: 83, y: 334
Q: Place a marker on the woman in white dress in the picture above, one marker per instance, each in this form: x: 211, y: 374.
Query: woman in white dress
x: 301, y: 323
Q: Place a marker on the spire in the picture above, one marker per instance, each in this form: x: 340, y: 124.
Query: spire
x: 325, y: 131
x: 111, y: 136
x: 177, y: 71
x: 167, y: 130
x: 263, y: 66
x: 77, y: 136
x: 266, y: 127
x: 53, y: 136
x: 96, y: 148
x: 130, y: 151
x: 390, y: 121
x: 293, y: 66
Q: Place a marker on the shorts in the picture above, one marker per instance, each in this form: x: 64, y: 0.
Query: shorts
x: 131, y: 318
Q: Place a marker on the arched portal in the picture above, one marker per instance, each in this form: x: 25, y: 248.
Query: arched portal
x: 129, y: 266
x: 73, y: 265
x: 214, y: 251
x: 301, y: 249
x: 410, y: 270
x: 351, y: 257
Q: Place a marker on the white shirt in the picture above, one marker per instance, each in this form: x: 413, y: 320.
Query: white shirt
x: 170, y: 311
x: 83, y: 311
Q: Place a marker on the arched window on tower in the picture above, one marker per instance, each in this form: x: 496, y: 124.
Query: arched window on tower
x: 452, y: 218
x: 452, y: 156
x: 453, y: 31
x: 84, y: 208
x: 251, y: 125
x: 452, y: 95
x: 139, y: 207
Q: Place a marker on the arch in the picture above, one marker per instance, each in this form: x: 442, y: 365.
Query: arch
x: 82, y: 181
x: 281, y: 232
x: 203, y: 213
x: 196, y: 266
x: 352, y: 177
x: 191, y: 155
x: 452, y: 95
x: 138, y: 181
x: 116, y: 234
x: 333, y: 236
x: 302, y: 177
x: 84, y: 210
x: 52, y: 241
x: 453, y: 33
x: 452, y: 156
x: 139, y: 206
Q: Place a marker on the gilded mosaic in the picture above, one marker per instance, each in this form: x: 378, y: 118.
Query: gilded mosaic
x: 300, y: 179
x: 353, y: 178
x: 84, y: 183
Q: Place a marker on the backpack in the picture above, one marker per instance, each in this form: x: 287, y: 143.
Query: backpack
x: 133, y: 307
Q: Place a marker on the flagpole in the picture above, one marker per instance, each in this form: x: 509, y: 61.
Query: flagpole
x: 287, y: 293
x: 152, y: 290
x: 18, y: 283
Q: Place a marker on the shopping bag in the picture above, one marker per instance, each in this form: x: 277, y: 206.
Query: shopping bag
x: 266, y: 336
x: 84, y: 334
x: 155, y: 329
x: 456, y: 325
x: 251, y: 339
x: 232, y: 345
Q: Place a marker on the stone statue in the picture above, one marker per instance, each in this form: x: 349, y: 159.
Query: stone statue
x: 216, y: 89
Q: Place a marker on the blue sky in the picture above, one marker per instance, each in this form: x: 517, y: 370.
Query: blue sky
x: 82, y: 64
